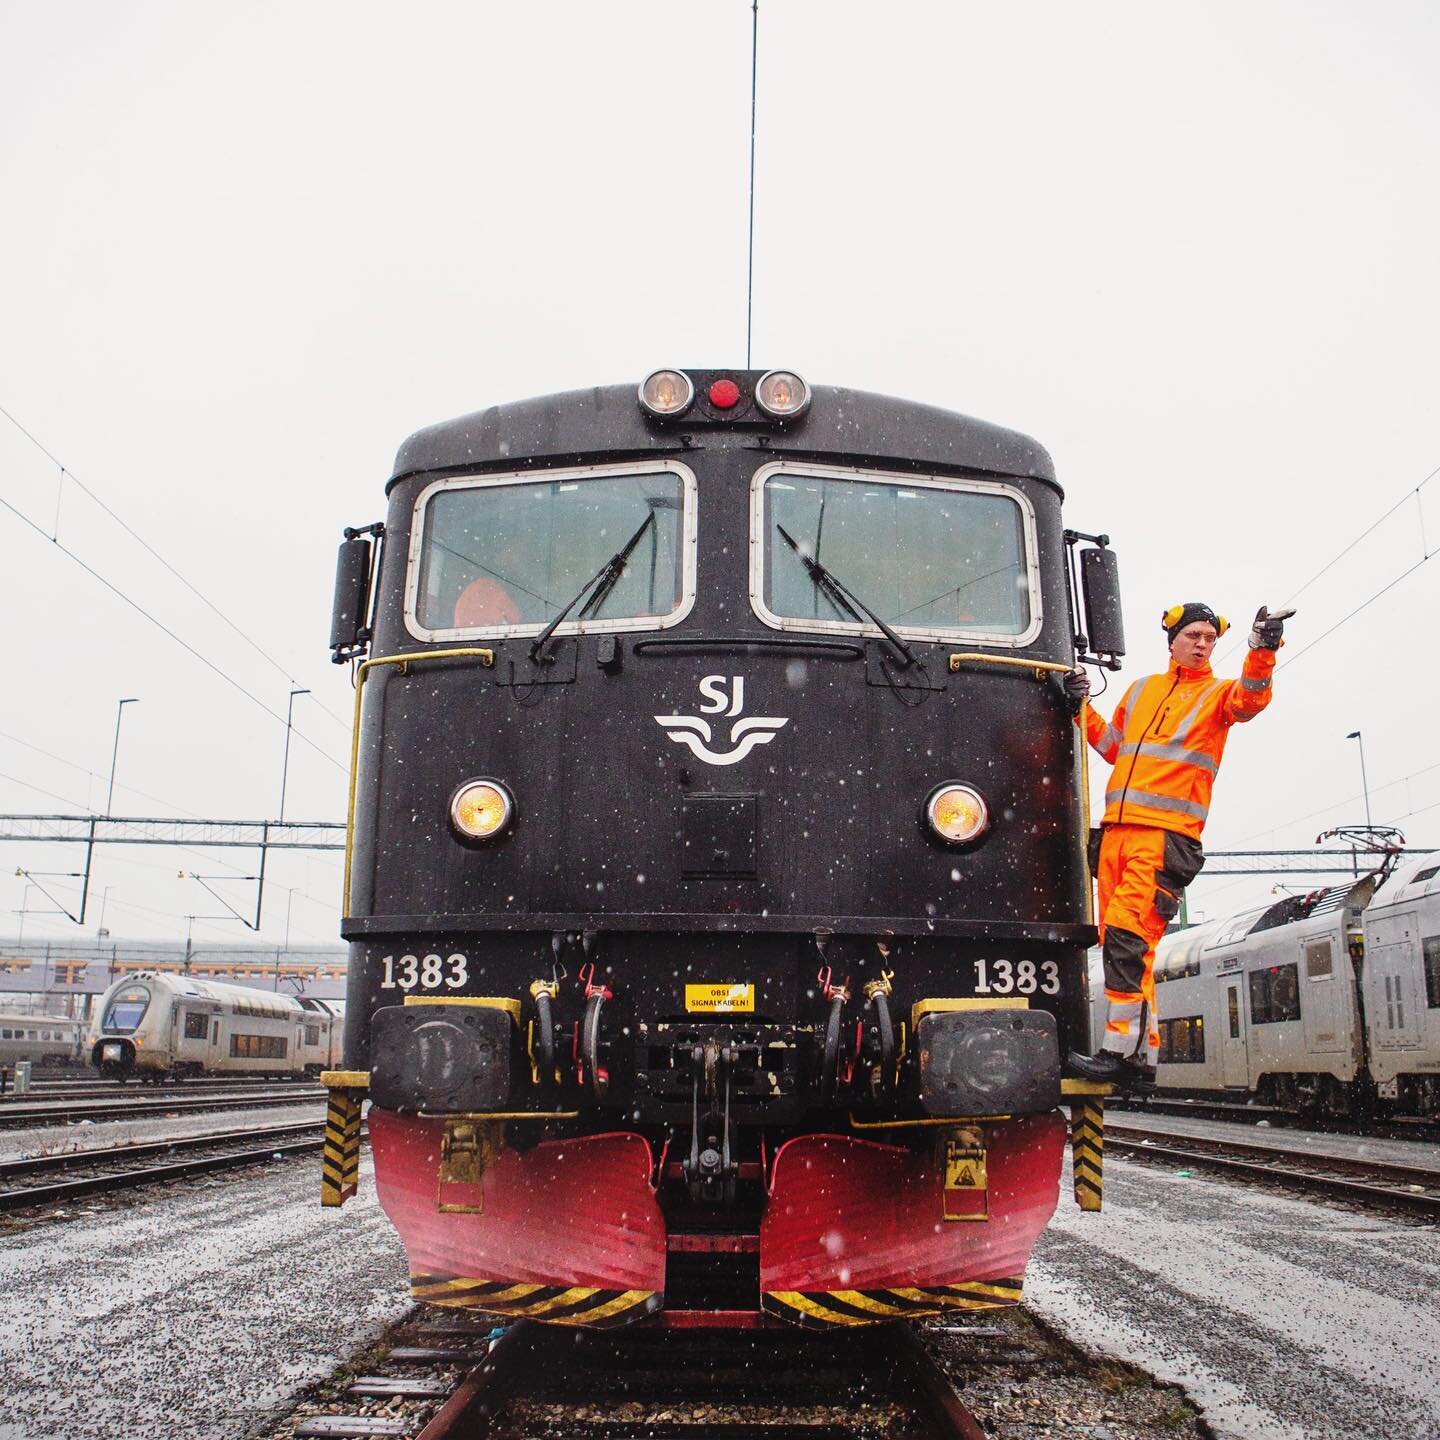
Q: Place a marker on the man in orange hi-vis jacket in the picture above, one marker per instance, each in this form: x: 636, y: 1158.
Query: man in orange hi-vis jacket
x: 1165, y: 742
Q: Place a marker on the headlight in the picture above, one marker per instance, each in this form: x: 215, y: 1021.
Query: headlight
x: 782, y: 394
x: 957, y: 813
x: 667, y: 392
x: 481, y: 809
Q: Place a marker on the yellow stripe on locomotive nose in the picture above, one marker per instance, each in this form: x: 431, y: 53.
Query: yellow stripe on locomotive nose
x: 720, y: 999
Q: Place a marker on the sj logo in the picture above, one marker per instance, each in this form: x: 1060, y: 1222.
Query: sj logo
x: 694, y: 732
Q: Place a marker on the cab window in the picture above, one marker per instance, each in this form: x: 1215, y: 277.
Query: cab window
x: 504, y: 555
x: 934, y: 558
x: 127, y: 1009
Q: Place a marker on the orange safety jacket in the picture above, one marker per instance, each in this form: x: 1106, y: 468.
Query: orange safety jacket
x: 1167, y: 739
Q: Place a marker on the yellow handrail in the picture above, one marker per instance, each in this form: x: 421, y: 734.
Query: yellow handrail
x: 416, y: 657
x: 1013, y: 661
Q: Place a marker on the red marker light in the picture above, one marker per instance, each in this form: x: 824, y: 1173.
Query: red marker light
x: 724, y: 394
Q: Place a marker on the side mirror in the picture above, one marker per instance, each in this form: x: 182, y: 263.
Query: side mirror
x: 349, y: 633
x: 1102, y: 641
x: 1100, y: 586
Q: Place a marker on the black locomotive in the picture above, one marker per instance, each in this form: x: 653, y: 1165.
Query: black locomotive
x: 716, y: 885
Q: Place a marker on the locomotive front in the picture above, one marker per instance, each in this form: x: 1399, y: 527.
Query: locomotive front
x: 716, y: 886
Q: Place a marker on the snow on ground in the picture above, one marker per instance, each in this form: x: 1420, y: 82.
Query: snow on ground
x: 1282, y: 1317
x: 194, y: 1311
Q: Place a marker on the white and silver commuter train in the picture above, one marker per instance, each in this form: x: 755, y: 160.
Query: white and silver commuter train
x: 47, y: 1039
x: 154, y: 1024
x: 1329, y: 1001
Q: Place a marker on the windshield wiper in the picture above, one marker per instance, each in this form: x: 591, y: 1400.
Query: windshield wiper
x: 603, y: 580
x: 841, y: 594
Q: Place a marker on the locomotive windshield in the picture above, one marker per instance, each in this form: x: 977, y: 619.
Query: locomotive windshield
x: 507, y: 553
x: 931, y: 558
x: 127, y: 1009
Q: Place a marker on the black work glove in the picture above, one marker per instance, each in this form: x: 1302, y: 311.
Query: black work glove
x: 1268, y: 629
x: 1077, y: 688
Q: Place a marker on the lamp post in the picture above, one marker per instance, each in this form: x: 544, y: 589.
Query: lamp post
x: 285, y: 769
x: 115, y: 749
x: 1364, y: 783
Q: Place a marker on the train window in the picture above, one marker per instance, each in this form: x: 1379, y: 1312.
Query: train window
x: 1232, y: 996
x: 1178, y: 961
x: 195, y: 1025
x: 935, y: 559
x: 259, y: 1047
x: 502, y: 555
x: 1275, y: 994
x: 127, y: 1009
x: 1432, y: 971
x: 1182, y: 1042
x: 312, y: 1034
x: 1318, y: 963
x: 1428, y: 873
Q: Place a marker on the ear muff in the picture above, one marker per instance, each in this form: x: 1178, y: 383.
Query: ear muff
x: 1176, y: 613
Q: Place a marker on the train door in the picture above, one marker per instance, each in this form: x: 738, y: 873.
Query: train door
x: 192, y: 1037
x: 1392, y: 963
x: 1321, y: 1009
x: 1234, y: 1061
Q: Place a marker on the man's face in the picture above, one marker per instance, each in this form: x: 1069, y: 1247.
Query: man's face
x: 1192, y: 646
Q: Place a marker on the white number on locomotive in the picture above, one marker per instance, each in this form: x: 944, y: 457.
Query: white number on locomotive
x: 427, y: 973
x: 1000, y: 977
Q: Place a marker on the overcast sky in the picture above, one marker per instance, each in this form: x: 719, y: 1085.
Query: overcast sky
x: 245, y: 250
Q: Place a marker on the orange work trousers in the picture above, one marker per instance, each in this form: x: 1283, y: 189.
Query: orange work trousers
x: 1143, y: 872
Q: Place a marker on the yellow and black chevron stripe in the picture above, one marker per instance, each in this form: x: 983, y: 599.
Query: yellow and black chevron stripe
x: 823, y: 1308
x: 1087, y: 1151
x: 551, y: 1304
x: 340, y: 1160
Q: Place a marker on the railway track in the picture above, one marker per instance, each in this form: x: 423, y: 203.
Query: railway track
x: 533, y: 1382
x: 1395, y: 1127
x: 86, y: 1087
x: 30, y: 1182
x: 26, y: 1114
x: 1408, y: 1187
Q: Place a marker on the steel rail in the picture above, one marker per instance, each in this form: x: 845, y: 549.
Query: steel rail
x: 109, y: 1154
x: 122, y: 1180
x: 540, y: 1365
x: 1390, y: 1127
x: 1267, y: 1163
x: 17, y: 1114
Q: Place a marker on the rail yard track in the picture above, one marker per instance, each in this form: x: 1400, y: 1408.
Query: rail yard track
x: 41, y: 1180
x: 1394, y: 1127
x: 533, y: 1382
x: 1414, y: 1188
x: 28, y: 1114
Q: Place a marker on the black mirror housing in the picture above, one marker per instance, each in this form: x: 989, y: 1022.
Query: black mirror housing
x: 1100, y: 588
x: 349, y: 635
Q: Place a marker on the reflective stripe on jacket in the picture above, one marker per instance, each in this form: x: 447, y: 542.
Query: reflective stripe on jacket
x: 1167, y: 739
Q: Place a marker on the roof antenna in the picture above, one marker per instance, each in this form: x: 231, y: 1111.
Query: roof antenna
x: 750, y: 276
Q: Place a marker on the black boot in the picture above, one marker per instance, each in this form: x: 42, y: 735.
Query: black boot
x: 1109, y: 1069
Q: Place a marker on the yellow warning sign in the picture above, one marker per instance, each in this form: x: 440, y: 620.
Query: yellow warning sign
x: 720, y: 999
x: 964, y: 1168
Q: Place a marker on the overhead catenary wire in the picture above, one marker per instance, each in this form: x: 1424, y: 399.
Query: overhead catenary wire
x: 67, y: 474
x: 160, y: 625
x: 1364, y: 604
x: 1426, y: 555
x: 96, y: 775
